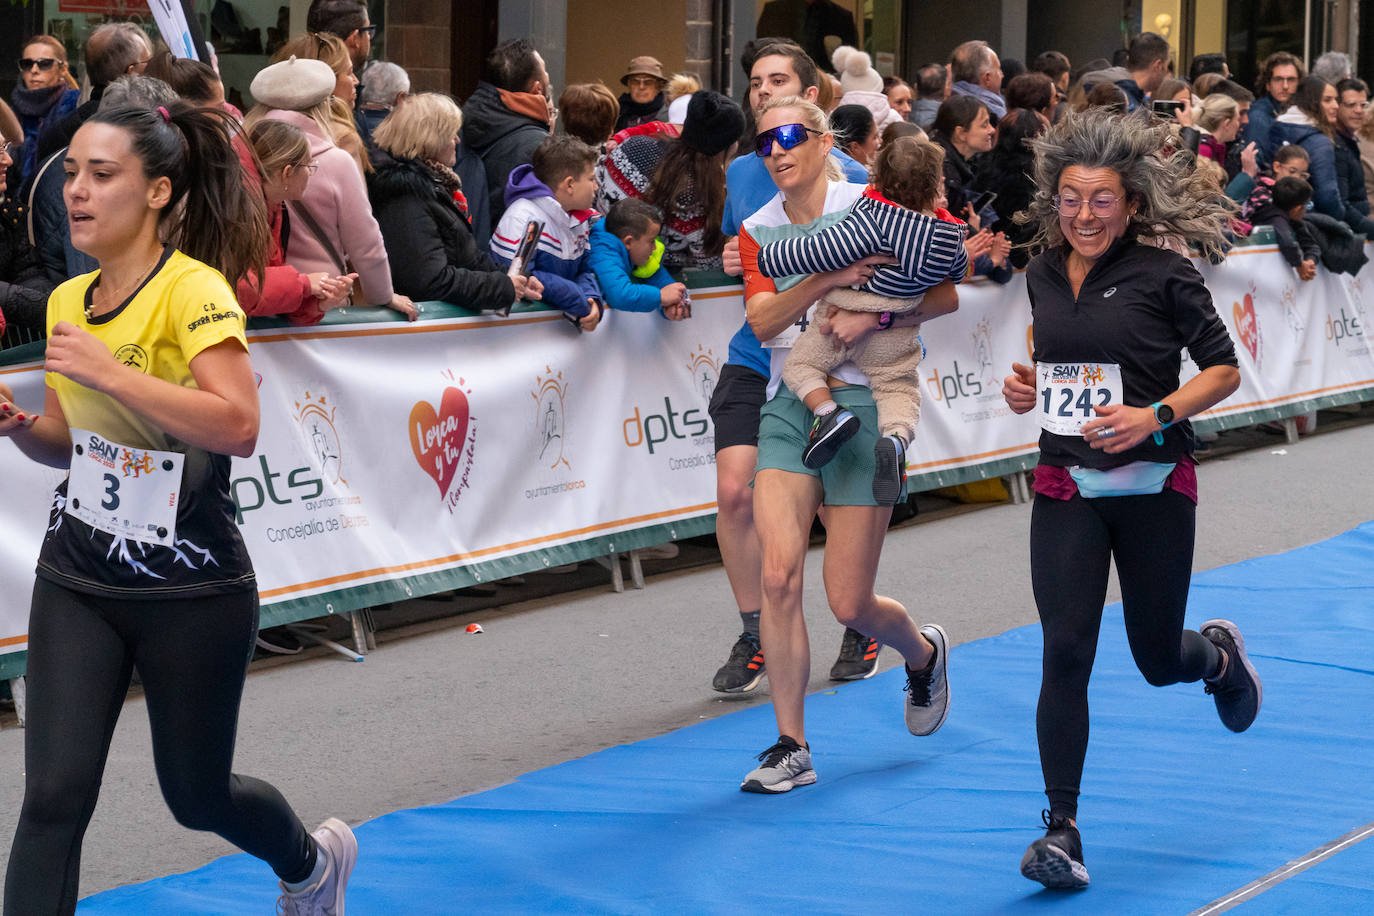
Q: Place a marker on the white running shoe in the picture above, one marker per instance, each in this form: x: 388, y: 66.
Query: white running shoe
x: 326, y: 897
x: 786, y: 765
x: 927, y: 701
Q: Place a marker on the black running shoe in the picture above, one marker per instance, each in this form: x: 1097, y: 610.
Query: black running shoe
x: 1238, y: 692
x: 858, y: 657
x: 828, y: 433
x: 889, y: 470
x: 744, y: 669
x: 1056, y: 859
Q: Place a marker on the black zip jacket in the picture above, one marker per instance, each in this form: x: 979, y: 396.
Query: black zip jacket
x: 1139, y: 306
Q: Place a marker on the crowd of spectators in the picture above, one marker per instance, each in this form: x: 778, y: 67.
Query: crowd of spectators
x: 378, y: 196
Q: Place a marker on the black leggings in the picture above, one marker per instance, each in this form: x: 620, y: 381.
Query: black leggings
x: 1072, y: 544
x: 192, y: 656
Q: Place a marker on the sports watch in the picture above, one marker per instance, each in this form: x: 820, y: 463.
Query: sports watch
x: 1164, y: 416
x: 884, y: 320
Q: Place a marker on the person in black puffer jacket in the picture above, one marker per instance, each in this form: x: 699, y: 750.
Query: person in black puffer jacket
x: 419, y: 204
x: 24, y: 287
x: 508, y: 115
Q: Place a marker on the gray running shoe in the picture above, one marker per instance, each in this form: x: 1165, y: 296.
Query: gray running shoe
x: 927, y: 701
x: 326, y: 897
x: 785, y: 766
x: 1238, y: 692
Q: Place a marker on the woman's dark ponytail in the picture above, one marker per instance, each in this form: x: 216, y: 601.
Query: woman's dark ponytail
x: 214, y: 217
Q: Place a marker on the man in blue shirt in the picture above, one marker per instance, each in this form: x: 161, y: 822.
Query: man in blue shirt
x: 781, y: 69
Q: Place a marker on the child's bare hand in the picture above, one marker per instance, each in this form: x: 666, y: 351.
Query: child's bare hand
x: 593, y: 317
x: 672, y: 294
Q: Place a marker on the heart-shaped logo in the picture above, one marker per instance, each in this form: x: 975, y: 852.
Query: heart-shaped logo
x: 1247, y: 326
x: 438, y: 439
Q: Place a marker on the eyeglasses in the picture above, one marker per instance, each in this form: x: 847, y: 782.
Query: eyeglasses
x: 310, y: 167
x: 1101, y: 205
x: 7, y: 150
x: 641, y: 81
x: 42, y: 63
x: 786, y: 135
x: 369, y: 30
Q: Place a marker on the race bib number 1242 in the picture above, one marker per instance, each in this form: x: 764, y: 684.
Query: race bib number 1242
x: 1069, y: 392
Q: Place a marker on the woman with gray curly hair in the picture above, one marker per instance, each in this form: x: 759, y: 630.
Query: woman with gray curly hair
x: 1116, y: 479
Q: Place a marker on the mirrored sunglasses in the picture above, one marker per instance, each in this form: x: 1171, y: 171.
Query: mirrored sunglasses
x: 785, y: 135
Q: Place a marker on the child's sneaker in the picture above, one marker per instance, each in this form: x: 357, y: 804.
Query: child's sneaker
x: 828, y: 433
x: 1238, y: 692
x: 1056, y: 859
x: 336, y: 843
x: 889, y: 470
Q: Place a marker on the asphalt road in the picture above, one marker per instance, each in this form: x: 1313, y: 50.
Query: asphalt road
x: 436, y: 713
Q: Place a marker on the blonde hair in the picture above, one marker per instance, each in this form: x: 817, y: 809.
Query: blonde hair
x: 59, y: 52
x: 681, y: 84
x: 813, y: 117
x: 329, y: 48
x: 279, y: 145
x: 420, y: 127
x: 1215, y: 111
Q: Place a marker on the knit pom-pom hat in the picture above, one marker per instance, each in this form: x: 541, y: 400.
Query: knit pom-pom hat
x: 855, y: 69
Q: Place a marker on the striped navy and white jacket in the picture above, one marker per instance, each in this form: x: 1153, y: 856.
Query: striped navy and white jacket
x: 928, y: 249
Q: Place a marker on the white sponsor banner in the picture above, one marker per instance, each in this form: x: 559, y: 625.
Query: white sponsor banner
x: 388, y: 451
x: 392, y: 450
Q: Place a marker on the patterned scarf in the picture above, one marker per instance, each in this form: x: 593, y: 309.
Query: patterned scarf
x: 448, y: 180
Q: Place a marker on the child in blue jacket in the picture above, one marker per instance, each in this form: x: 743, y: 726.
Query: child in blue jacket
x: 627, y: 256
x: 556, y: 189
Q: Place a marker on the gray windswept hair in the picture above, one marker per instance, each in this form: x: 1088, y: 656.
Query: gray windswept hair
x: 1173, y: 200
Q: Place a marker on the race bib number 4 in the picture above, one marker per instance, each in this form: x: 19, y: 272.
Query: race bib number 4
x: 787, y: 338
x: 127, y: 492
x: 1069, y: 392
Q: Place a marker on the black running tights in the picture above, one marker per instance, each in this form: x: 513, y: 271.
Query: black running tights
x: 192, y: 656
x: 1072, y: 545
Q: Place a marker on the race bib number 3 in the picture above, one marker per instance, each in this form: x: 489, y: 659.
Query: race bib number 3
x: 127, y: 492
x: 1069, y: 392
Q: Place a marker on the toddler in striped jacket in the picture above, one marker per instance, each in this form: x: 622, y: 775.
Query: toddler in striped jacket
x: 898, y: 216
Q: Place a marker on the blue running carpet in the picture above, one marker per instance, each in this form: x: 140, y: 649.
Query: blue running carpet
x: 1176, y: 811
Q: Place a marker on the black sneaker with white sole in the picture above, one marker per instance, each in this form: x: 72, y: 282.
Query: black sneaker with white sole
x: 889, y: 470
x: 858, y: 657
x: 1238, y: 692
x: 827, y: 434
x: 784, y: 766
x: 1056, y: 859
x: 744, y: 669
